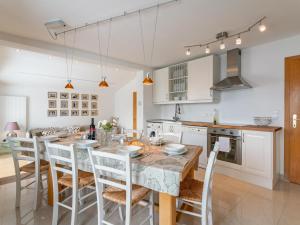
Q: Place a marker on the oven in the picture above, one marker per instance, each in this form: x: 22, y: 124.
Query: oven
x: 234, y: 156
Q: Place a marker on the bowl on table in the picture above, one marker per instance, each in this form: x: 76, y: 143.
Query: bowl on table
x: 175, y: 149
x: 133, y: 150
x: 157, y: 140
x: 82, y: 144
x: 262, y: 120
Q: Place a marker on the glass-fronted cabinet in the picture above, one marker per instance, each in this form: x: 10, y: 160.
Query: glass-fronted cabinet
x: 178, y: 84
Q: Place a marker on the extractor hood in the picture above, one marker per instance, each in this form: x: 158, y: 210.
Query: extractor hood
x: 233, y: 81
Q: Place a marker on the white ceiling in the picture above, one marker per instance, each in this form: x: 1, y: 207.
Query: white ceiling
x: 185, y: 22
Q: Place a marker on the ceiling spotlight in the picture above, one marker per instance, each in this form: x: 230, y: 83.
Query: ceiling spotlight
x: 188, y: 52
x: 207, y: 50
x: 222, y: 45
x: 262, y: 27
x: 238, y: 41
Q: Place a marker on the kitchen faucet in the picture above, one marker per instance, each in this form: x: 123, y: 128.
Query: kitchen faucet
x: 177, y: 112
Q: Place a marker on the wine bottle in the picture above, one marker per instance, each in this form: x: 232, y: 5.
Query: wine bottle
x: 92, y: 130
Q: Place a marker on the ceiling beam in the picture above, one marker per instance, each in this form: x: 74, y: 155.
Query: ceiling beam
x: 44, y: 47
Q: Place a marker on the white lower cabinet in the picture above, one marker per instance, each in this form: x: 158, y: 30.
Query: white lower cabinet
x: 258, y: 153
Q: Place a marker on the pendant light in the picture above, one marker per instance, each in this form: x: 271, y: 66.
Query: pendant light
x: 222, y: 45
x: 102, y: 83
x: 188, y: 52
x: 207, y: 50
x: 238, y: 41
x: 69, y: 85
x: 147, y: 80
x: 262, y: 27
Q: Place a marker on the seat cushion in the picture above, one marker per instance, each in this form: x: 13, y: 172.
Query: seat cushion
x: 30, y: 167
x: 191, y: 189
x: 119, y: 196
x: 84, y: 179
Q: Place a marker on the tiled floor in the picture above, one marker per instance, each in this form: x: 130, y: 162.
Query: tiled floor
x: 235, y: 203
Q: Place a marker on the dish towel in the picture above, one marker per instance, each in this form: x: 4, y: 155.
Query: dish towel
x: 224, y: 144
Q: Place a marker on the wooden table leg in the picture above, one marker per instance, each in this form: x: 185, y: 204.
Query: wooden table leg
x: 167, y: 209
x: 50, y: 186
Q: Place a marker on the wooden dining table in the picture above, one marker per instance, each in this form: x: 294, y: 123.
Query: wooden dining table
x: 153, y: 169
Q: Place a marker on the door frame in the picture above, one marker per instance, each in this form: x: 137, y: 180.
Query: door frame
x: 287, y: 121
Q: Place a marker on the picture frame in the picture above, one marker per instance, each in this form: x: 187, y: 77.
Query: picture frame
x: 52, y: 104
x: 84, y: 97
x: 94, y: 112
x: 52, y: 95
x: 52, y: 113
x: 84, y: 112
x: 64, y: 113
x: 64, y: 104
x: 74, y: 112
x: 74, y: 96
x: 94, y: 97
x: 64, y: 95
x: 75, y: 104
x: 84, y: 104
x: 94, y: 105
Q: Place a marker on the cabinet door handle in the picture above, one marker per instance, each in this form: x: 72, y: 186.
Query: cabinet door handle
x: 243, y: 138
x: 295, y: 120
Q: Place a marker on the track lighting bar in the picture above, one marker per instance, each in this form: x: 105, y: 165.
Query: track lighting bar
x: 125, y: 13
x: 262, y: 28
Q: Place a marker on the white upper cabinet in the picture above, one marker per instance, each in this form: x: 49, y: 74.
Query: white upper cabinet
x: 258, y: 152
x: 188, y: 82
x: 201, y: 75
x: 161, y: 86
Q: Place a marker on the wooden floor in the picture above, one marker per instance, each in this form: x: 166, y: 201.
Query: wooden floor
x: 234, y: 203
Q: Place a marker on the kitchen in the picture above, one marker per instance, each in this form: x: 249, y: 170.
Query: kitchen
x: 198, y: 100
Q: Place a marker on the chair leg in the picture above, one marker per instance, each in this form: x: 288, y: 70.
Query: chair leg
x: 151, y: 208
x: 36, y: 193
x: 55, y: 213
x: 121, y: 213
x: 74, y: 215
x: 18, y: 190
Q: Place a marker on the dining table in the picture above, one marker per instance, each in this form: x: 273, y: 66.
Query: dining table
x: 153, y: 169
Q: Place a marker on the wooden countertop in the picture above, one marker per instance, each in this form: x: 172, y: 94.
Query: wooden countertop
x: 233, y: 126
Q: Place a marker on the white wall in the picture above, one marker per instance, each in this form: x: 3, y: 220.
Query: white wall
x: 263, y: 67
x: 30, y: 74
x: 123, y: 104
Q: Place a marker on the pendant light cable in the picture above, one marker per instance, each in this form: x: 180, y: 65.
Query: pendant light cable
x: 72, y: 59
x: 108, y: 42
x: 142, y: 36
x: 66, y: 53
x: 154, y: 35
x: 100, y: 49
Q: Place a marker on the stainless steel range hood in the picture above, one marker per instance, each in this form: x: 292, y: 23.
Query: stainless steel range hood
x: 233, y: 81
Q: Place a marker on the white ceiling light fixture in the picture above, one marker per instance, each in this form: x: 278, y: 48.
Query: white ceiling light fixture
x: 223, y: 36
x: 262, y: 27
x: 188, y: 52
x: 222, y: 45
x: 238, y: 41
x: 207, y: 50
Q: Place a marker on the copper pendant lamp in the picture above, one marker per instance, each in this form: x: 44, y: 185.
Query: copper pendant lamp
x: 69, y: 85
x: 148, y: 80
x: 103, y: 83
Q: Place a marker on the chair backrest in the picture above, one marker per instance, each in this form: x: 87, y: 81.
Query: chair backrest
x: 26, y: 149
x: 172, y: 137
x: 62, y: 159
x: 208, y: 178
x: 107, y: 173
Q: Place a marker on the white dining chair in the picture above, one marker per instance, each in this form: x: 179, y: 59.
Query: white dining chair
x: 198, y: 194
x: 27, y: 149
x: 63, y: 160
x: 172, y: 137
x: 120, y: 191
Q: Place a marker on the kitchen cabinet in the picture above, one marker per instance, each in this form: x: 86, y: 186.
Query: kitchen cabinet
x: 188, y: 82
x: 257, y: 149
x: 202, y: 74
x: 161, y: 86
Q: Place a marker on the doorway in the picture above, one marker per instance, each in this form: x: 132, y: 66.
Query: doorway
x: 292, y: 119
